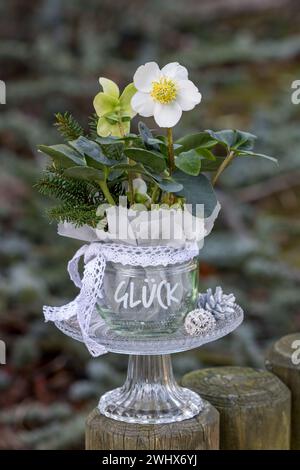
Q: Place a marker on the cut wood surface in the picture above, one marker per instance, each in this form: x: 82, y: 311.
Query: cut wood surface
x: 254, y: 406
x: 283, y: 360
x: 198, y: 433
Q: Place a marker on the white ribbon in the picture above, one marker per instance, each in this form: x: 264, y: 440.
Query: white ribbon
x: 78, y: 318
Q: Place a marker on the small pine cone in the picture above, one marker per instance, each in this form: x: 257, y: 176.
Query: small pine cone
x: 219, y: 304
x: 199, y: 322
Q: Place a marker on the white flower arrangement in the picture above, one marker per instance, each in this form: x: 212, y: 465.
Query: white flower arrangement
x: 135, y: 198
x: 97, y: 167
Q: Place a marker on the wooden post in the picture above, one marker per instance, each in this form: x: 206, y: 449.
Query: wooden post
x: 254, y: 406
x: 284, y: 361
x: 198, y: 433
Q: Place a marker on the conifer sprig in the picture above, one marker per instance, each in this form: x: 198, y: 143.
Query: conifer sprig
x: 93, y: 122
x: 67, y: 126
x: 56, y: 185
x: 79, y: 215
x: 80, y: 199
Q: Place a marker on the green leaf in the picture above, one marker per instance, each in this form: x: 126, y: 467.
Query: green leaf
x: 153, y: 160
x: 85, y: 146
x: 169, y: 185
x: 225, y: 137
x: 131, y: 168
x: 115, y: 174
x: 189, y: 162
x: 114, y: 139
x: 197, y: 190
x: 211, y: 165
x: 93, y: 152
x: 234, y: 139
x: 192, y: 141
x: 62, y: 155
x: 153, y: 141
x: 107, y: 140
x: 194, y: 160
x: 248, y: 153
x: 244, y: 140
x: 85, y: 173
x: 147, y: 137
x: 166, y: 184
x: 205, y: 153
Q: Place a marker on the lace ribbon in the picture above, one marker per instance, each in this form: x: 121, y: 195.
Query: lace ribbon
x: 79, y: 318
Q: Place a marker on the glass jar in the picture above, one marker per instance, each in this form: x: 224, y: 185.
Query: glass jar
x: 148, y: 301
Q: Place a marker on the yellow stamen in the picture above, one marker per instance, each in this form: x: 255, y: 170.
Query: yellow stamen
x: 164, y: 91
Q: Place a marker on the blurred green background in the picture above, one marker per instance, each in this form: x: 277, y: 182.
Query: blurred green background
x: 243, y: 56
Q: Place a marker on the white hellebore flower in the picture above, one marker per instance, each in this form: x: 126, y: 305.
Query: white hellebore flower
x: 164, y: 93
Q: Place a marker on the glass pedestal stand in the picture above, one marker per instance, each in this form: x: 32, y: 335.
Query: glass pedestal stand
x: 150, y: 394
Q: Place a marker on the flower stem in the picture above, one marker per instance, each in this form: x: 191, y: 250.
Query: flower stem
x: 130, y: 175
x: 106, y: 192
x: 155, y: 194
x: 222, y: 167
x: 170, y: 150
x: 121, y: 128
x: 130, y: 185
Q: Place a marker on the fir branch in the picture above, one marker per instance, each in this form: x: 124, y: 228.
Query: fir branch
x: 64, y: 190
x: 117, y: 189
x: 80, y: 199
x: 69, y: 190
x: 93, y: 123
x: 67, y: 126
x: 78, y: 214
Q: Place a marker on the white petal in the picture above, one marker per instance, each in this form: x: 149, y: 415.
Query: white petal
x: 139, y: 185
x: 188, y: 95
x: 143, y: 104
x: 145, y: 75
x: 187, y: 85
x: 167, y: 115
x: 188, y: 101
x: 175, y: 70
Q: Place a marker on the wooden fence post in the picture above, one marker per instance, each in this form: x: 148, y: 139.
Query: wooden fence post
x: 254, y: 406
x: 198, y: 433
x: 284, y: 361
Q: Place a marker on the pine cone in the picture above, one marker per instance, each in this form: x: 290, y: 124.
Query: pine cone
x: 199, y: 322
x: 219, y: 304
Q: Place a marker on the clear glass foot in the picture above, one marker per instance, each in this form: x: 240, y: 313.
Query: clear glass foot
x: 150, y: 394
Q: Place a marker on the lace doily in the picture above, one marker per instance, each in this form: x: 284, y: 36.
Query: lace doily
x: 79, y: 318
